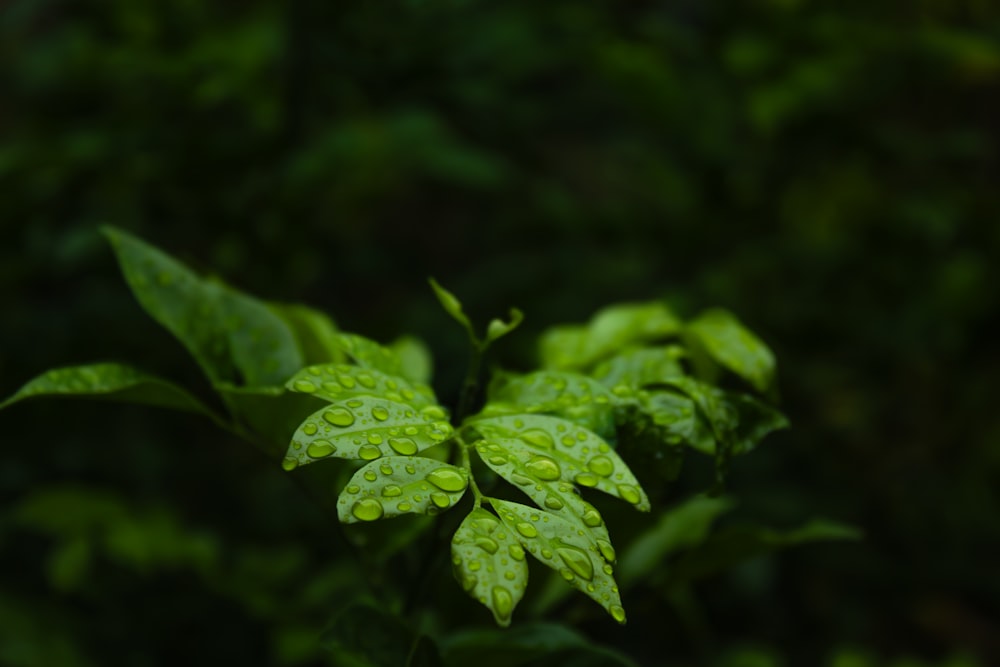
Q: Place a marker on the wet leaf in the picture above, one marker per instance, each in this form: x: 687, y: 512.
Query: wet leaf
x: 573, y: 397
x: 734, y: 347
x: 369, y: 354
x: 489, y: 563
x: 233, y: 337
x: 640, y: 367
x: 366, y: 428
x: 497, y: 328
x: 395, y: 485
x: 339, y: 382
x: 565, y: 548
x: 416, y: 364
x: 109, y: 381
x: 573, y: 347
x: 453, y: 307
x: 315, y: 332
x: 556, y: 449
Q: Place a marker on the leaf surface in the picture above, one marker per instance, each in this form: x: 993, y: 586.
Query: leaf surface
x: 395, y: 485
x: 734, y: 346
x: 338, y: 382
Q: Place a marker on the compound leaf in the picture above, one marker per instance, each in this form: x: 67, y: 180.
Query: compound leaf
x: 489, y: 563
x: 734, y: 346
x: 553, y: 449
x: 395, y: 485
x: 233, y: 337
x: 366, y: 428
x: 110, y: 381
x: 337, y: 382
x: 572, y: 347
x: 562, y: 546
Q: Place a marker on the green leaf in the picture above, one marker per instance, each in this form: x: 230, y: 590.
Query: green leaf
x: 116, y: 382
x: 551, y: 644
x: 489, y: 563
x: 366, y: 428
x: 571, y: 396
x: 678, y: 418
x: 315, y: 332
x: 572, y: 347
x: 395, y: 485
x: 734, y: 347
x: 505, y: 457
x: 416, y: 364
x: 337, y: 382
x: 641, y: 367
x: 369, y: 354
x: 682, y: 527
x: 453, y: 307
x: 555, y: 449
x: 498, y: 328
x: 269, y: 414
x: 233, y: 337
x: 560, y: 545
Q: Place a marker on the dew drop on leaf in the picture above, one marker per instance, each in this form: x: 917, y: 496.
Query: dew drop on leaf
x: 440, y: 499
x: 346, y: 381
x: 320, y: 448
x: 385, y: 469
x: 289, y: 464
x: 591, y: 518
x: 607, y: 550
x: 391, y: 490
x: 305, y: 386
x: 339, y: 417
x: 586, y: 479
x: 447, y: 480
x: 577, y: 561
x: 516, y: 551
x: 554, y: 503
x: 601, y: 465
x: 487, y: 544
x: 617, y: 613
x: 544, y: 468
x: 366, y: 381
x: 629, y: 494
x: 526, y: 529
x: 309, y: 428
x: 369, y: 452
x: 538, y: 438
x: 374, y: 439
x: 367, y: 509
x: 380, y: 414
x: 403, y: 446
x: 370, y: 475
x: 503, y: 603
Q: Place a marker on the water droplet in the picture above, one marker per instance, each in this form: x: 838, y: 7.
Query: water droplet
x: 608, y: 570
x: 475, y: 565
x: 404, y: 506
x: 346, y: 381
x: 497, y: 460
x: 601, y: 465
x: 586, y: 479
x: 374, y: 439
x: 367, y: 509
x: 369, y: 452
x: 553, y: 503
x: 355, y: 403
x: 339, y: 417
x: 289, y: 464
x: 366, y: 380
x: 304, y: 386
x: 592, y: 518
x: 440, y: 499
x: 433, y: 412
x: 309, y: 428
x: 403, y: 446
x: 385, y: 469
x: 526, y: 529
x: 447, y: 479
x: 411, y: 470
x: 509, y: 575
x: 607, y: 550
x: 521, y: 479
x: 320, y: 448
x: 503, y: 603
x: 408, y: 394
x: 538, y: 438
x: 544, y: 468
x: 370, y: 475
x: 629, y: 494
x: 391, y: 491
x: 515, y: 551
x: 380, y: 414
x: 487, y: 544
x: 577, y: 561
x: 546, y: 554
x: 411, y: 430
x: 617, y: 613
x: 566, y: 573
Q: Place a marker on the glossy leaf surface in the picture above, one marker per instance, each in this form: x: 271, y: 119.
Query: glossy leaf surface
x: 396, y: 485
x: 337, y: 382
x: 366, y: 428
x: 453, y: 307
x: 734, y: 346
x: 572, y: 396
x: 369, y: 354
x: 556, y: 449
x: 641, y: 367
x: 489, y: 563
x: 416, y: 364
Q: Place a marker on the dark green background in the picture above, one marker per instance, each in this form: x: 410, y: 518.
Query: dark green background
x: 828, y: 171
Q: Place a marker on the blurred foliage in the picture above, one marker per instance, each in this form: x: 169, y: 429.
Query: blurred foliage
x: 827, y: 171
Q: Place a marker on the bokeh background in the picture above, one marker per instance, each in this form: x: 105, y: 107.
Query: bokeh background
x: 828, y: 171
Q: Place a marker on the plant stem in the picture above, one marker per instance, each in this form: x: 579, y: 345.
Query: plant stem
x: 470, y: 386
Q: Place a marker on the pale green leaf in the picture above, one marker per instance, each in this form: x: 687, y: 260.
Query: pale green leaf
x: 337, y: 382
x: 567, y: 549
x: 610, y: 330
x: 109, y: 381
x: 504, y: 457
x: 640, y: 367
x: 369, y: 354
x: 489, y: 563
x: 571, y: 396
x: 366, y: 428
x: 233, y: 337
x: 416, y: 364
x: 681, y: 527
x: 734, y: 347
x: 498, y: 328
x: 395, y: 485
x: 452, y: 306
x: 555, y: 449
x: 315, y: 332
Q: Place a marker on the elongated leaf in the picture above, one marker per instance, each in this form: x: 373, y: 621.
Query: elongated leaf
x: 416, y: 364
x: 369, y: 354
x: 453, y: 307
x: 571, y: 396
x: 611, y: 329
x: 734, y: 346
x: 489, y: 563
x: 503, y: 457
x: 641, y: 367
x: 562, y: 546
x: 498, y: 328
x: 116, y: 382
x: 338, y: 382
x: 315, y: 332
x: 366, y: 428
x: 556, y: 449
x: 682, y: 527
x: 396, y: 485
x: 233, y: 337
